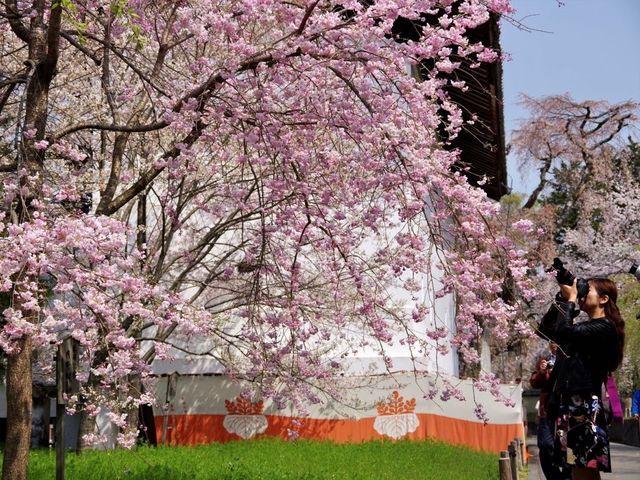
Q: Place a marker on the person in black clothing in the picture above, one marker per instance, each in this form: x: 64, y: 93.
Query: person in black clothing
x: 540, y: 379
x: 587, y: 353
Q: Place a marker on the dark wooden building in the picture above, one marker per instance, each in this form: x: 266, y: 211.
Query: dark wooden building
x: 481, y: 144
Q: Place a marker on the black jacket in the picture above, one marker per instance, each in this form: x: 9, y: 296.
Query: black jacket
x: 587, y: 351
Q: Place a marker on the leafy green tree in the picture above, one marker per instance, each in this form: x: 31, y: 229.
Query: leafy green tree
x: 628, y: 376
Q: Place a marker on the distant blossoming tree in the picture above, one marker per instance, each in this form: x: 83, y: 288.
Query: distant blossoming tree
x: 588, y: 194
x: 589, y: 173
x: 260, y: 174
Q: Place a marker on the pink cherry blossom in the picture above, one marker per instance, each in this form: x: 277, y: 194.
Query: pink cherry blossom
x: 250, y: 181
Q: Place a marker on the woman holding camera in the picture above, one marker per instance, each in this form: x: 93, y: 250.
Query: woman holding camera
x: 587, y: 353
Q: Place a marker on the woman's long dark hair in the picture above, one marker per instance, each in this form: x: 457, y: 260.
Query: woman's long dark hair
x: 604, y: 286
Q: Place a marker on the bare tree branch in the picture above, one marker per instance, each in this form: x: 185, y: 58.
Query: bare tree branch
x: 69, y: 38
x: 110, y: 128
x: 8, y: 167
x: 15, y: 21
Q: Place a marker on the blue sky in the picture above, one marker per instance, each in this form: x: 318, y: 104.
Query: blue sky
x: 591, y: 51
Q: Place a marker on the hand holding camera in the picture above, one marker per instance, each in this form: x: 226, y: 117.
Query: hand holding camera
x: 565, y: 277
x: 546, y: 365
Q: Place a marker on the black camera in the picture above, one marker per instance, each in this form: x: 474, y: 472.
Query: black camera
x: 550, y: 363
x: 565, y: 277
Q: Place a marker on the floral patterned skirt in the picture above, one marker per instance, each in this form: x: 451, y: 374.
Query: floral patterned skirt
x: 581, y: 434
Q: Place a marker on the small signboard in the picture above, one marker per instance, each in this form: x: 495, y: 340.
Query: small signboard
x: 66, y: 368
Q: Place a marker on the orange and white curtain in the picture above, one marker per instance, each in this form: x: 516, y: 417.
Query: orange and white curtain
x: 195, y: 409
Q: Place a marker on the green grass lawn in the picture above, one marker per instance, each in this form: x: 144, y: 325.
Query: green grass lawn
x: 275, y: 460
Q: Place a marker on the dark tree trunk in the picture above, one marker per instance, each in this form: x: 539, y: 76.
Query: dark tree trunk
x: 87, y: 427
x: 544, y: 170
x: 43, y: 42
x: 19, y: 405
x: 87, y: 422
